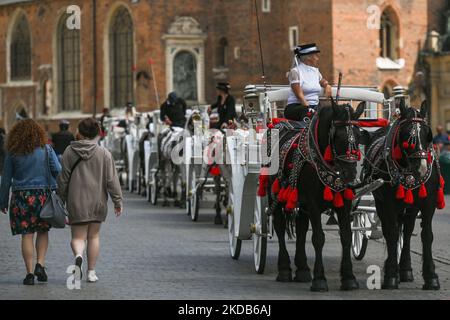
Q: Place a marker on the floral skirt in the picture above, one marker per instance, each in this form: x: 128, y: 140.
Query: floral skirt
x: 24, y: 211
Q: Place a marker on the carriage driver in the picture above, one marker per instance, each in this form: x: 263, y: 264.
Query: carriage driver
x: 173, y: 111
x: 223, y: 112
x: 306, y: 83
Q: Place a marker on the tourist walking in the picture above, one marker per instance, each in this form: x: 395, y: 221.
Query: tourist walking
x: 88, y: 175
x: 30, y: 171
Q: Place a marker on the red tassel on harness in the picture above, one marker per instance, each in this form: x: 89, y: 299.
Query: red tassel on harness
x: 440, y: 199
x: 397, y: 155
x: 287, y: 194
x: 349, y: 194
x: 423, y: 192
x: 442, y: 182
x: 293, y: 200
x: 430, y: 159
x: 276, y: 186
x: 400, y: 193
x: 215, y: 171
x: 263, y: 183
x: 409, y: 198
x: 328, y: 156
x: 338, y: 200
x: 359, y: 155
x: 281, y: 195
x: 328, y: 194
x: 405, y: 145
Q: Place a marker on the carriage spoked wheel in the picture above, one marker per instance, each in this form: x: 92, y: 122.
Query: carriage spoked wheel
x: 360, y: 237
x: 234, y: 242
x: 260, y: 235
x: 140, y: 180
x: 153, y: 189
x: 125, y: 177
x: 193, y: 196
x: 148, y: 192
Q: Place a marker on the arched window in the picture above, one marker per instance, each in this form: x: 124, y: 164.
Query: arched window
x: 68, y: 67
x: 185, y: 76
x: 20, y: 50
x: 222, y: 49
x: 121, y: 59
x: 389, y: 38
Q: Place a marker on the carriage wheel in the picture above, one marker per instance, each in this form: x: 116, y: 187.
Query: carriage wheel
x: 260, y: 235
x: 140, y: 176
x: 154, y: 190
x: 148, y: 192
x: 400, y: 242
x: 193, y: 200
x: 359, y: 237
x: 126, y: 167
x: 235, y: 243
x: 194, y: 203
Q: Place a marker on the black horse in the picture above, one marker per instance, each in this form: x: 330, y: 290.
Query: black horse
x: 318, y: 165
x: 405, y: 158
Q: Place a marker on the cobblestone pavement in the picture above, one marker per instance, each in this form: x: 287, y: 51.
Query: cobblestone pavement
x: 158, y: 253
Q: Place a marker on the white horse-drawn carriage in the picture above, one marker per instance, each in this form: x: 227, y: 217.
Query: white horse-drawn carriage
x: 122, y: 139
x: 247, y: 213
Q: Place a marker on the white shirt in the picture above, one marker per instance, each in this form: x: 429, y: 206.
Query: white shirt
x: 309, y: 79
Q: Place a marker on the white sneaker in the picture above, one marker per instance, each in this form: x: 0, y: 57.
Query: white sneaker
x: 92, y: 277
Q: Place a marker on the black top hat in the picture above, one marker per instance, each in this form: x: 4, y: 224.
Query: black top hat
x: 305, y: 49
x: 224, y: 86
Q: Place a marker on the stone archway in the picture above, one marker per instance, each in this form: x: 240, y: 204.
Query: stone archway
x: 185, y: 47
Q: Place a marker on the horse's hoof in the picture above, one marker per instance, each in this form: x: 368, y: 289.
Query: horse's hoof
x: 431, y: 284
x: 303, y: 276
x: 284, y: 276
x: 349, y: 285
x: 390, y: 284
x: 218, y: 221
x: 406, y: 276
x: 319, y: 285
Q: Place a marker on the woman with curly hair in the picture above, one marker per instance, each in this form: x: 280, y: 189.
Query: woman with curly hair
x: 30, y: 170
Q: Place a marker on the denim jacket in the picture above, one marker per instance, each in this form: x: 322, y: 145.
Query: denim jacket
x: 28, y: 172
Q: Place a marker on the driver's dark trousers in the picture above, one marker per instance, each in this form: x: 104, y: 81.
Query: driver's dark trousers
x: 297, y: 111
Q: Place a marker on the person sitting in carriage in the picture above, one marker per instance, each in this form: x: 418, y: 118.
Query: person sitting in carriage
x: 223, y: 112
x: 173, y: 111
x: 306, y: 83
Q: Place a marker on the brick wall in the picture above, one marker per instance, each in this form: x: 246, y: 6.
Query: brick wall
x: 337, y: 26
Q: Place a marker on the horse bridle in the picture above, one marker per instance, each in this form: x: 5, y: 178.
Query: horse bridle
x: 414, y: 138
x: 351, y: 155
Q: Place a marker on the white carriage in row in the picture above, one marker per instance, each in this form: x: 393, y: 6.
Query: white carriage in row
x: 247, y: 213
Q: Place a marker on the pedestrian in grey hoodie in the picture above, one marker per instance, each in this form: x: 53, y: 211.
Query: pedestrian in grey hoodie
x: 88, y: 175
